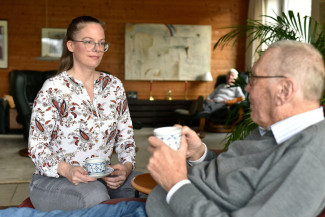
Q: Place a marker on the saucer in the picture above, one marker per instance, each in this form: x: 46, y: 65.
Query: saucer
x: 108, y: 171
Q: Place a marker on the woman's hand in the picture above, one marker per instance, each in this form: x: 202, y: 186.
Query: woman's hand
x: 118, y: 177
x: 75, y: 174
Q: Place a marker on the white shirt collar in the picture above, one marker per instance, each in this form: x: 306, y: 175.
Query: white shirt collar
x: 289, y: 127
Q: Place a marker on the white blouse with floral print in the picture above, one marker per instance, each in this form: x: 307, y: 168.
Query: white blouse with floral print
x: 67, y: 126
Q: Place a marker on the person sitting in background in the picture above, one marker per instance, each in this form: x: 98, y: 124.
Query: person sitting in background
x: 277, y: 170
x: 224, y: 94
x: 79, y: 114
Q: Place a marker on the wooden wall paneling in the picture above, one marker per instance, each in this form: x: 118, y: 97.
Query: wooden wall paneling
x: 27, y: 18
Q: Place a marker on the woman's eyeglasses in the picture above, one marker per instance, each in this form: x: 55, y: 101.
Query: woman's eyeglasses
x: 90, y: 45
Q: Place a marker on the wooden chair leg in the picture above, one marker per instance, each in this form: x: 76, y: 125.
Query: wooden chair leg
x: 202, y: 123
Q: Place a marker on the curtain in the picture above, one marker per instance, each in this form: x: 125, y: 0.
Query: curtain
x: 257, y: 8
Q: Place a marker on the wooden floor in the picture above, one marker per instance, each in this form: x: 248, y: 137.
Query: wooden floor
x: 13, y: 194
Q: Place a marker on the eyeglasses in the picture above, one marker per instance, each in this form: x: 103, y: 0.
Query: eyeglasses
x: 252, y: 78
x: 90, y: 45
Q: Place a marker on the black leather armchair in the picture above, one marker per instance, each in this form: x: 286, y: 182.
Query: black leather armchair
x: 4, y: 113
x: 225, y: 119
x: 24, y: 86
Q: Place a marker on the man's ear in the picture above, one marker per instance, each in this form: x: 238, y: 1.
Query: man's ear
x: 70, y: 46
x: 285, y: 92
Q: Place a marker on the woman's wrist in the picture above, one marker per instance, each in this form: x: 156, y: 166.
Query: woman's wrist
x: 62, y: 168
x: 129, y: 167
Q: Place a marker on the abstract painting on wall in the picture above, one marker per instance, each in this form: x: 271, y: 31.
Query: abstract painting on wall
x: 167, y: 52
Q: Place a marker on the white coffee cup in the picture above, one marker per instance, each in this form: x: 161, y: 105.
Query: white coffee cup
x: 170, y: 135
x: 96, y: 166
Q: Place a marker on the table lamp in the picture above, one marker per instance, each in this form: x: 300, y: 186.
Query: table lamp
x: 207, y: 77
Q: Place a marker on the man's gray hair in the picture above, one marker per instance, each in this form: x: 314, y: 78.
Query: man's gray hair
x: 304, y: 63
x: 232, y: 70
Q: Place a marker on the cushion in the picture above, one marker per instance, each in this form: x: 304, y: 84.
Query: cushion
x: 182, y: 111
x: 26, y: 203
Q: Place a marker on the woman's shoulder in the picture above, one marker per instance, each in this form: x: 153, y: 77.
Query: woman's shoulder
x: 54, y: 80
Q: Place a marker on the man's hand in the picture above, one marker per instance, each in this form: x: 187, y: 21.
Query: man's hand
x: 166, y: 165
x: 118, y: 177
x: 195, y: 148
x: 75, y: 174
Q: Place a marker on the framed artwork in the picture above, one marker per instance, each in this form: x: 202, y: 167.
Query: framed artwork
x: 52, y: 42
x: 167, y: 52
x: 3, y: 44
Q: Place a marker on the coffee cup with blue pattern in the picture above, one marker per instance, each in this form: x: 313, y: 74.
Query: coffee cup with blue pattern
x: 96, y: 166
x: 169, y: 135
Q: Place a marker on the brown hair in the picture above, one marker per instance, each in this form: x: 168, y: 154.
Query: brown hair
x: 66, y: 60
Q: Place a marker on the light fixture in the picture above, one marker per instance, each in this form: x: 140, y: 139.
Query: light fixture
x: 207, y: 77
x: 151, y: 97
x: 204, y: 77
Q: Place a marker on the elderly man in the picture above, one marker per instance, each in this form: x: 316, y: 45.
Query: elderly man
x: 224, y: 94
x: 278, y: 170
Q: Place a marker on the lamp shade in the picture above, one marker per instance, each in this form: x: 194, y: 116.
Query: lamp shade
x: 207, y: 77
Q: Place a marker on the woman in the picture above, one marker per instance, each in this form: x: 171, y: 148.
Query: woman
x: 78, y: 114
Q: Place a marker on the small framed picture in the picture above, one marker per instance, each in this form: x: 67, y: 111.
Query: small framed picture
x: 52, y: 41
x: 3, y: 44
x: 132, y: 94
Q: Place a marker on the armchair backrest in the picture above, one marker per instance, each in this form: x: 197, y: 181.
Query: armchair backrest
x: 24, y: 86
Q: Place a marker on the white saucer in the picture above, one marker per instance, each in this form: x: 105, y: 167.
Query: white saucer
x: 108, y: 171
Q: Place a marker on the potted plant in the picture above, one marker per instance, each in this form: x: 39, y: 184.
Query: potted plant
x: 288, y: 26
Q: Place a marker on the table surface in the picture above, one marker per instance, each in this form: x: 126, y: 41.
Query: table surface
x: 143, y: 183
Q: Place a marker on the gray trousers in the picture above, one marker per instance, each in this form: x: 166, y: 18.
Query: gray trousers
x: 210, y: 107
x: 48, y: 193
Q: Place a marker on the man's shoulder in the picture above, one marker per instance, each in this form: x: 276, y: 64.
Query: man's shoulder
x: 317, y: 128
x: 312, y: 139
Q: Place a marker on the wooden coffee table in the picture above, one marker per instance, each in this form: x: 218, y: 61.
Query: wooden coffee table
x: 143, y: 183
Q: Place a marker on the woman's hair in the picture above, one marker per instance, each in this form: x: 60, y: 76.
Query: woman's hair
x: 66, y: 60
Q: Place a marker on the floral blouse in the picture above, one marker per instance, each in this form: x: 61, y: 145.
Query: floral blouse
x: 67, y: 126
